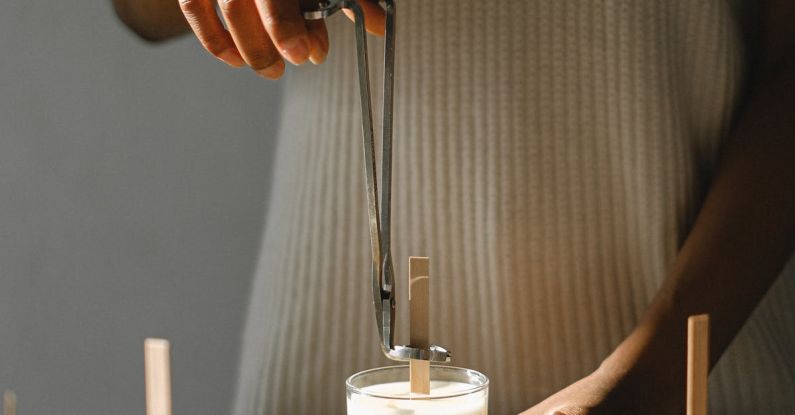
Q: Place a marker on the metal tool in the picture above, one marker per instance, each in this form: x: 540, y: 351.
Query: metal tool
x: 382, y: 270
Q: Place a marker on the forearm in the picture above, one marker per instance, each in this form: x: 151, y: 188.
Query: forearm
x: 153, y: 20
x: 742, y: 237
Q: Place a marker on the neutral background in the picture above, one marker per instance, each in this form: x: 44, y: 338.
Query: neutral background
x: 132, y: 184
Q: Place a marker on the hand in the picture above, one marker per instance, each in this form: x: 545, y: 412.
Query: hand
x: 262, y: 33
x: 606, y: 393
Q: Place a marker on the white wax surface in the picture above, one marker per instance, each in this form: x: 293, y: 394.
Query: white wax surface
x: 471, y: 404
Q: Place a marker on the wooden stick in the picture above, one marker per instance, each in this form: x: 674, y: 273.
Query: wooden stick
x: 158, y: 377
x: 697, y: 364
x: 9, y: 403
x: 419, y: 302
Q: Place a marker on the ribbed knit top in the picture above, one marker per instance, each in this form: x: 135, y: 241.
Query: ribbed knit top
x: 550, y: 157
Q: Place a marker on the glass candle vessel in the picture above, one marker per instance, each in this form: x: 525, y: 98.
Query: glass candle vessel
x: 385, y: 391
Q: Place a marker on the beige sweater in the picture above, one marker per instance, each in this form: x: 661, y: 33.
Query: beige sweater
x: 561, y: 149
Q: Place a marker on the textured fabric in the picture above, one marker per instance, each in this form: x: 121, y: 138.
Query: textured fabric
x: 549, y: 159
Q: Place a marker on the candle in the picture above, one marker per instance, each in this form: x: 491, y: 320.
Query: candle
x: 454, y: 391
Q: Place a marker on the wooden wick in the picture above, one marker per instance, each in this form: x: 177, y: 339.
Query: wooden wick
x: 697, y: 364
x: 158, y: 377
x: 9, y: 403
x: 419, y: 302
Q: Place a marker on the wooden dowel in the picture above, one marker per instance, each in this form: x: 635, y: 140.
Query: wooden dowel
x: 697, y: 364
x: 419, y: 303
x: 9, y: 403
x: 158, y: 377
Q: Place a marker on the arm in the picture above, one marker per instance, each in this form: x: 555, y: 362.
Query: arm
x: 742, y: 238
x: 152, y: 20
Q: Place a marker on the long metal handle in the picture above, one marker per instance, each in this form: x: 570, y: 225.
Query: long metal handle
x: 380, y: 222
x: 388, y: 272
x: 382, y: 282
x: 383, y: 294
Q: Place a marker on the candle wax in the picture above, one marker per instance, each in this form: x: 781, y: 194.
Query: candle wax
x: 469, y: 404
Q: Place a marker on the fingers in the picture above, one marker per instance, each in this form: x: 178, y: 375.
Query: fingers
x: 287, y: 29
x: 374, y: 16
x: 251, y: 39
x: 205, y: 23
x: 319, y: 37
x: 260, y: 33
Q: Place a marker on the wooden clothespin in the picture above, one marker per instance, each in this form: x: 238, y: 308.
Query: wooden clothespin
x: 697, y: 364
x: 419, y: 304
x: 158, y: 376
x: 9, y: 403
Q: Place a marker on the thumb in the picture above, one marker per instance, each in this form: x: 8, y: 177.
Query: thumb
x: 374, y: 16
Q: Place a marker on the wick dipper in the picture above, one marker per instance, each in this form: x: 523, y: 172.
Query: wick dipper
x: 382, y: 270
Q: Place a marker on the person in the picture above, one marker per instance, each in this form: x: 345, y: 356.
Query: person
x: 583, y: 176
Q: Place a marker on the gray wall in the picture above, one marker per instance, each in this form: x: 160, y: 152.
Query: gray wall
x: 132, y: 186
